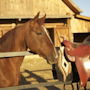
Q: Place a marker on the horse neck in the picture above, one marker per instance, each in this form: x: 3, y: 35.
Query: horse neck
x: 13, y: 40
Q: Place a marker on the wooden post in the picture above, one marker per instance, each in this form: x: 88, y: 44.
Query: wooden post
x: 69, y: 29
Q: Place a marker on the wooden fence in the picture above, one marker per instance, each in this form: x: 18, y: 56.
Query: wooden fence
x: 24, y: 53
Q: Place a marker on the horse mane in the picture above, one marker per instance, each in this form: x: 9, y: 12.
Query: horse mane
x: 4, y: 37
x: 12, y: 31
x: 8, y: 39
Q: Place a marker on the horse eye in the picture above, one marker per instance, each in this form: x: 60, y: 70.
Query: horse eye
x: 39, y: 33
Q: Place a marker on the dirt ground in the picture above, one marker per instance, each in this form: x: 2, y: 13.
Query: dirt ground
x: 35, y: 70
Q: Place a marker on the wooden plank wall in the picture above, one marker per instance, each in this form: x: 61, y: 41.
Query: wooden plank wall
x: 29, y: 8
x: 80, y: 26
x: 15, y: 8
x: 61, y: 31
x: 5, y: 28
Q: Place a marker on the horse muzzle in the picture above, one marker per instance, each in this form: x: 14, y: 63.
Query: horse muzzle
x: 53, y: 59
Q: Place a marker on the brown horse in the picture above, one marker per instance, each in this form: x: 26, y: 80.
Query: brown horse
x: 32, y: 35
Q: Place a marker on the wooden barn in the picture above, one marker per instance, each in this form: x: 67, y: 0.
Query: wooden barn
x: 63, y: 17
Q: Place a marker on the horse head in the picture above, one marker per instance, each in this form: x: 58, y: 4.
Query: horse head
x: 38, y: 40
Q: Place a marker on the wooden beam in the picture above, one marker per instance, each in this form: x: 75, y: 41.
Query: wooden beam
x: 53, y: 25
x: 83, y: 17
x: 72, y: 6
x: 28, y: 86
x: 14, y: 54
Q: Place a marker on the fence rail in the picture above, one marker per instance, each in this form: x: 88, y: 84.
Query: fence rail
x: 34, y: 85
x: 15, y: 54
x: 24, y: 53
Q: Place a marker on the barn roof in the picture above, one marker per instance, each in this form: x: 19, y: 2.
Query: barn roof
x: 72, y: 6
x: 83, y: 17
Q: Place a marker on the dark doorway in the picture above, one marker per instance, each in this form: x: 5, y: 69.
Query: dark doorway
x: 79, y: 37
x: 51, y: 33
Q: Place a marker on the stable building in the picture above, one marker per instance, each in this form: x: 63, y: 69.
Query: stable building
x: 62, y: 17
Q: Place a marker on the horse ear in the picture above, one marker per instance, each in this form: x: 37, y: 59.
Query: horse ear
x: 42, y: 20
x: 37, y: 16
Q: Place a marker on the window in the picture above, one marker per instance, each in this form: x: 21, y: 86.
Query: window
x: 79, y: 37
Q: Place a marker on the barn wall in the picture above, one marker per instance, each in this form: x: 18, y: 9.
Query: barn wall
x: 64, y: 9
x: 58, y: 29
x: 80, y: 26
x: 29, y: 8
x: 5, y: 28
x: 16, y: 8
x: 53, y: 8
x: 61, y: 31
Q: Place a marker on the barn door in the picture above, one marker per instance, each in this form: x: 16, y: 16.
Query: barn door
x: 63, y: 68
x: 61, y: 30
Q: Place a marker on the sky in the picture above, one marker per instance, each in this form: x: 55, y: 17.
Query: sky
x: 84, y: 5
